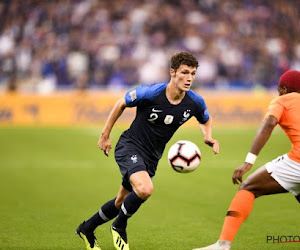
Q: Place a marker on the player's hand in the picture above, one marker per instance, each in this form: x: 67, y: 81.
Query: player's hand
x: 104, y: 144
x: 212, y: 143
x: 237, y: 177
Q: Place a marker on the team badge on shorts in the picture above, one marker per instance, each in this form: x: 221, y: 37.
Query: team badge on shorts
x: 134, y: 158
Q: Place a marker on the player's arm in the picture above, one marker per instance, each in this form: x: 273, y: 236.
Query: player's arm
x: 104, y: 140
x: 206, y: 129
x: 263, y: 134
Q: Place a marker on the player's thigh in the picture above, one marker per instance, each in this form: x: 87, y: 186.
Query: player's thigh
x: 141, y: 184
x: 260, y: 182
x: 286, y: 172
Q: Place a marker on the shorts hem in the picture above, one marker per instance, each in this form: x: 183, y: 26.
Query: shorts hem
x: 126, y: 182
x: 276, y: 178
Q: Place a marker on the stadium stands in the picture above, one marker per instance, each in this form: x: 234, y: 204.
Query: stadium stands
x: 49, y: 45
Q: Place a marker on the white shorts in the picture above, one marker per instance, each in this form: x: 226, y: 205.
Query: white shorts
x: 286, y: 172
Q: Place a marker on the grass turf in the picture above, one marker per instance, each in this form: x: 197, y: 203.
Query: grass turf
x: 54, y: 178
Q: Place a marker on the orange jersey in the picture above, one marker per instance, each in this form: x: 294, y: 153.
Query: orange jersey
x: 286, y: 109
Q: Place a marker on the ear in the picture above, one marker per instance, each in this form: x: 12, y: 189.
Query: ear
x: 285, y: 90
x: 172, y: 72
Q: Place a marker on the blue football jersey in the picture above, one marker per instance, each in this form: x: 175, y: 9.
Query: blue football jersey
x: 157, y: 119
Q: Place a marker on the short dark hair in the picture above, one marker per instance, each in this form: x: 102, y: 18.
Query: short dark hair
x: 183, y: 58
x: 290, y: 79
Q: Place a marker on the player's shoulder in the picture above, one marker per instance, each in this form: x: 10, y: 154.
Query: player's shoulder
x: 155, y: 88
x: 286, y: 99
x: 145, y: 92
x: 197, y: 98
x: 150, y: 91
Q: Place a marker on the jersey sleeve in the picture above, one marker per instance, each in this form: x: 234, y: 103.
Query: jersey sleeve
x: 135, y: 96
x: 275, y: 108
x: 142, y: 93
x: 202, y: 114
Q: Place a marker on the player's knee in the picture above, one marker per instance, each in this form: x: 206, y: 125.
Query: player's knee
x: 144, y: 191
x: 246, y: 185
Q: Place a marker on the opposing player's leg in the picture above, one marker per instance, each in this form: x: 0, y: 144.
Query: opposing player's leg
x: 257, y: 184
x: 107, y: 212
x: 260, y: 183
x: 142, y: 189
x: 287, y: 173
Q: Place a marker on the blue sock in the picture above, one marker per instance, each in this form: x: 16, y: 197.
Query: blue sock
x: 107, y: 212
x: 131, y: 204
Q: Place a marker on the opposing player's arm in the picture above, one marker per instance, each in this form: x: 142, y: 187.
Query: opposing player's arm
x: 206, y: 129
x: 104, y: 140
x: 263, y: 134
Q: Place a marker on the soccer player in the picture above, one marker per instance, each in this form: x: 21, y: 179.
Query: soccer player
x: 278, y: 176
x: 161, y: 109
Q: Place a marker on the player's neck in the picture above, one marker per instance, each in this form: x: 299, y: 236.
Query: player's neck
x: 174, y: 95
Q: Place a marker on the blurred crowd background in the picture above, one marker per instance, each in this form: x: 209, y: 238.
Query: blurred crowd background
x: 87, y: 44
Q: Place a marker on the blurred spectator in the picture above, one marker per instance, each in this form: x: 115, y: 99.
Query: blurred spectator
x: 49, y: 45
x: 8, y: 60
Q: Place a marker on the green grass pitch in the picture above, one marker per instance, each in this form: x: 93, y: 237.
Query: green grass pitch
x: 54, y: 178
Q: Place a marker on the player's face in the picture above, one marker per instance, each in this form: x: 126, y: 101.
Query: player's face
x: 184, y: 77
